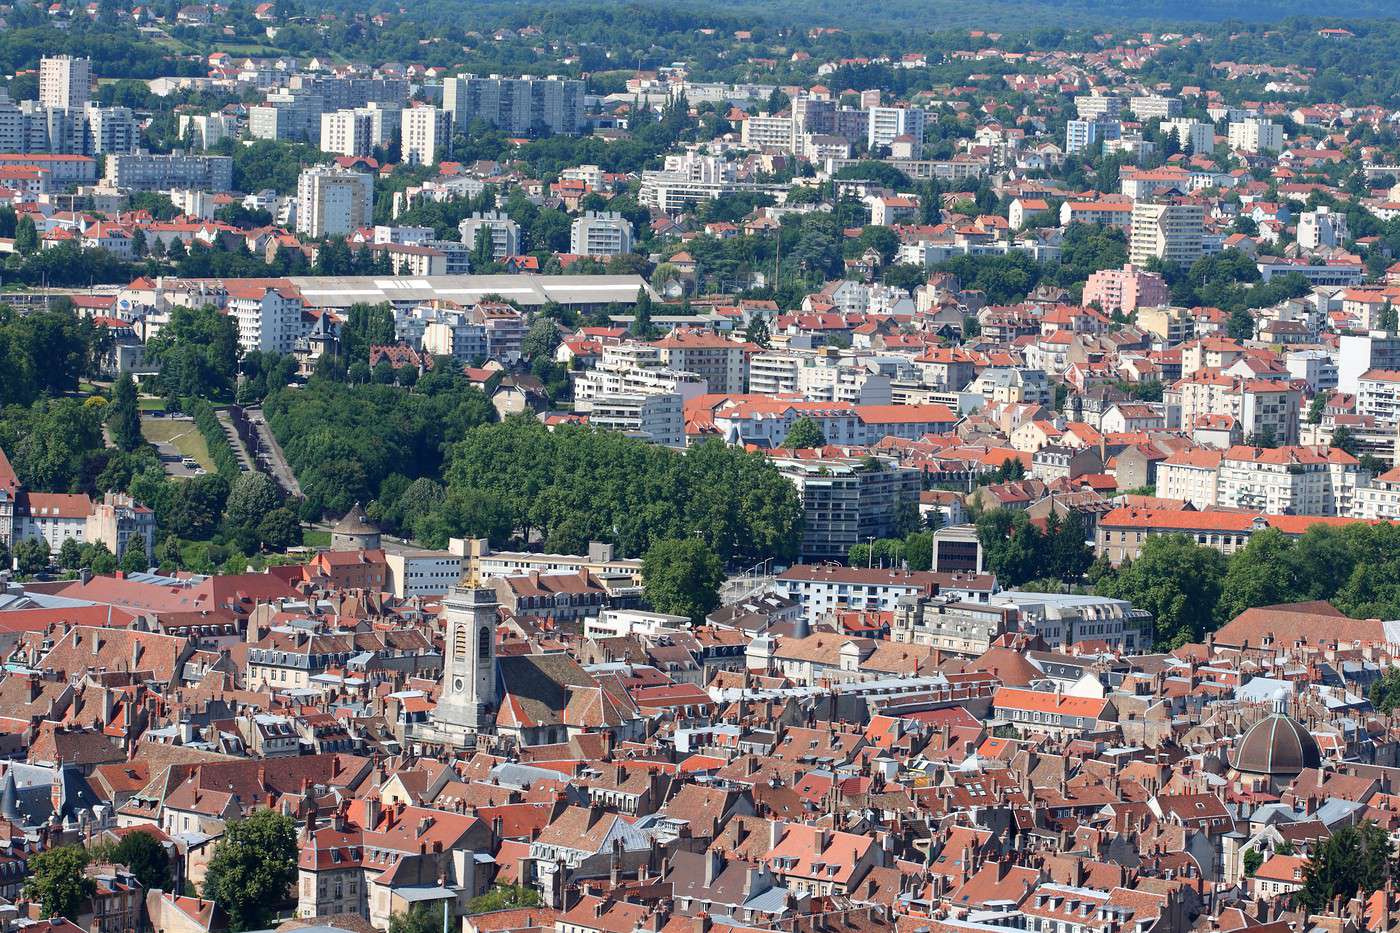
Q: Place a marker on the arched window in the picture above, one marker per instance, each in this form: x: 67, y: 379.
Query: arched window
x: 483, y: 643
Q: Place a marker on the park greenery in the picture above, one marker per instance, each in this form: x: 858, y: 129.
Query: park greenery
x: 682, y: 577
x: 573, y: 485
x: 1191, y: 589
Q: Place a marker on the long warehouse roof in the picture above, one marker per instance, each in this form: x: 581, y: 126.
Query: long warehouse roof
x: 342, y: 291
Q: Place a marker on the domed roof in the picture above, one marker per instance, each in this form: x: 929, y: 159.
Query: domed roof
x: 1277, y: 745
x: 355, y: 522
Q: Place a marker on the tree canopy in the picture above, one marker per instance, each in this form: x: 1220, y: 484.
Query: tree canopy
x: 574, y: 484
x: 253, y: 868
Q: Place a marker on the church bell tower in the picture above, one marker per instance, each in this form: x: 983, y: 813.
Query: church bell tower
x: 468, y: 699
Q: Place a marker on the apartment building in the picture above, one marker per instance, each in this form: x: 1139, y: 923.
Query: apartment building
x: 1264, y: 409
x: 427, y: 135
x: 1090, y: 106
x: 347, y: 133
x: 1125, y: 289
x: 950, y: 624
x: 505, y: 329
x: 1190, y: 475
x: 1111, y: 212
x: 269, y: 316
x: 1358, y: 353
x: 888, y: 123
x: 1171, y: 232
x: 1192, y: 135
x: 333, y: 201
x: 357, y: 131
x: 1378, y: 499
x: 1169, y: 325
x: 600, y: 233
x: 721, y: 362
x: 504, y: 233
x: 600, y: 561
x: 1066, y: 620
x: 655, y: 416
x: 1289, y: 480
x: 413, y: 572
x: 65, y: 82
x: 823, y: 589
x: 116, y: 520
x: 517, y: 105
x: 1086, y: 135
x: 148, y: 172
x: 209, y: 129
x: 442, y: 330
x: 1378, y: 395
x: 1322, y: 227
x: 848, y: 501
x: 763, y: 131
x: 1256, y: 135
x: 1155, y: 106
x: 634, y: 369
x: 1014, y: 386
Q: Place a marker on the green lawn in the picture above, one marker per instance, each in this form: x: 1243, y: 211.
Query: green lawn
x: 150, y: 403
x: 183, y: 435
x: 315, y: 537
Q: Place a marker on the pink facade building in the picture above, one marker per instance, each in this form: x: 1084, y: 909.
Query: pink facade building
x: 1125, y: 289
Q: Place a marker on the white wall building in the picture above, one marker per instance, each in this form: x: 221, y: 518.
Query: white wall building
x: 600, y: 233
x: 65, y: 81
x: 427, y: 135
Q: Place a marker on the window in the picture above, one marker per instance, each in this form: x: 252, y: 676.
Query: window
x: 483, y: 643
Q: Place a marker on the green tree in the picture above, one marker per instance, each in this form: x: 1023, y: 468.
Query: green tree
x: 1385, y: 691
x: 682, y: 577
x: 1260, y: 574
x: 504, y: 897
x: 253, y: 868
x: 641, y: 321
x: 804, y: 433
x: 99, y: 559
x: 134, y: 558
x: 32, y: 555
x: 197, y: 352
x: 757, y: 333
x: 1176, y: 580
x: 124, y: 414
x: 1012, y: 545
x: 26, y: 236
x: 1353, y: 860
x: 1252, y: 860
x: 141, y: 852
x: 541, y: 340
x: 70, y: 554
x: 279, y: 529
x: 1317, y: 407
x: 57, y: 883
x: 420, y: 918
x: 251, y: 497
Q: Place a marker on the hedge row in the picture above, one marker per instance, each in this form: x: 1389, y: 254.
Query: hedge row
x: 220, y: 450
